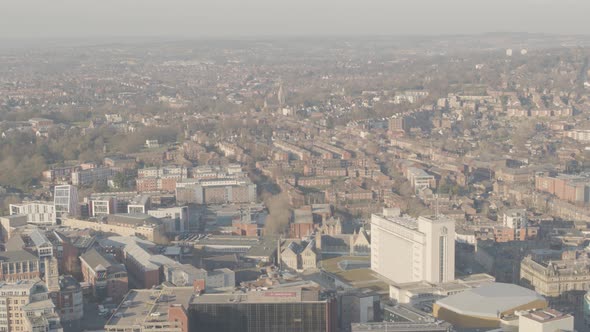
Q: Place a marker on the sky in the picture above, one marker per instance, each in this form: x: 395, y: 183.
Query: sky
x: 50, y: 19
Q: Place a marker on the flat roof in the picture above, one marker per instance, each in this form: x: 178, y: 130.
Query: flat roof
x: 139, y: 304
x: 489, y: 300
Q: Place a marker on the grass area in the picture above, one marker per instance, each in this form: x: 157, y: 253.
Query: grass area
x: 359, y: 278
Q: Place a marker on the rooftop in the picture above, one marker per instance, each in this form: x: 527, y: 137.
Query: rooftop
x: 17, y: 256
x: 489, y: 300
x: 142, y: 305
x: 546, y: 315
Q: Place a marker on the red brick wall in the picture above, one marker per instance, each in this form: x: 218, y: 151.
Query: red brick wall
x: 176, y: 313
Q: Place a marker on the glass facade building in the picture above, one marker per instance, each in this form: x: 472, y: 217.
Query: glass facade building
x: 263, y: 317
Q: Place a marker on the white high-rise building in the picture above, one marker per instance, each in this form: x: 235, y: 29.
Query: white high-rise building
x: 65, y: 199
x: 404, y: 249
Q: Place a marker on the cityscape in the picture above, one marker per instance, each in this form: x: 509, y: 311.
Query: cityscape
x: 400, y: 183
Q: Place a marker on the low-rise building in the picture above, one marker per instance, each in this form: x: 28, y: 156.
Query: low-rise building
x: 104, y: 274
x: 18, y: 265
x: 545, y: 320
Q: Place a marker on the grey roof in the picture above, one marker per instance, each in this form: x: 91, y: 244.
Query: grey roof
x: 489, y: 300
x: 15, y: 243
x: 17, y: 256
x: 94, y: 259
x: 39, y: 239
x: 133, y: 219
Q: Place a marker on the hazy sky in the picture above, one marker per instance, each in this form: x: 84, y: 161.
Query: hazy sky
x: 238, y: 18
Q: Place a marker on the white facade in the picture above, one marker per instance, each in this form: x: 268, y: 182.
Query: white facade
x: 178, y: 214
x: 89, y: 176
x: 545, y: 321
x: 404, y: 249
x: 65, y: 199
x: 41, y: 213
x: 515, y: 219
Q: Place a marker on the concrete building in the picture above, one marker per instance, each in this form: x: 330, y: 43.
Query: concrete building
x: 10, y: 224
x: 546, y: 320
x: 25, y: 306
x: 424, y: 247
x: 483, y: 307
x: 153, y: 310
x: 41, y: 213
x: 216, y: 191
x: 65, y: 199
x: 178, y: 215
x: 419, y: 179
x: 88, y: 177
x: 146, y: 226
x: 139, y: 204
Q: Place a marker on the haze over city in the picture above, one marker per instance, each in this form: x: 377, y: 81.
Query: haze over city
x: 301, y: 166
x: 235, y: 18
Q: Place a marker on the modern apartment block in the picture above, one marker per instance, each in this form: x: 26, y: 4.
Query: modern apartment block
x: 424, y: 248
x: 42, y: 213
x: 65, y: 199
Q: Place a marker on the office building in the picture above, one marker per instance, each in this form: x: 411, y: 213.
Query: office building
x: 424, y: 247
x: 139, y: 204
x: 66, y: 201
x: 41, y: 213
x: 297, y: 309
